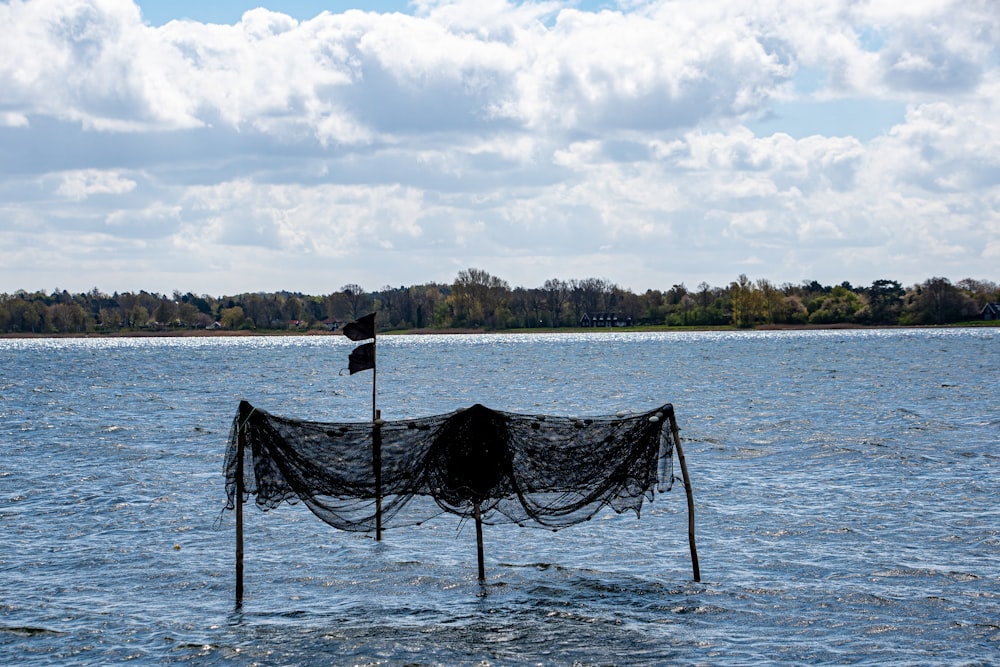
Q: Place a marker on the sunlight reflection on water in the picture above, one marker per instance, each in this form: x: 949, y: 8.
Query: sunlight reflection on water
x: 845, y: 480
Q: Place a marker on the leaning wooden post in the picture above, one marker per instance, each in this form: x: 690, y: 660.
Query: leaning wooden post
x: 241, y: 443
x: 690, y: 493
x: 479, y: 542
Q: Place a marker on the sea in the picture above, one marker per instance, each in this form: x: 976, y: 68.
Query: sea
x: 846, y: 487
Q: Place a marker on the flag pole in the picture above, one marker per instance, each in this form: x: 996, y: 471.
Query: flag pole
x: 376, y: 444
x: 377, y: 466
x: 375, y: 414
x: 362, y: 359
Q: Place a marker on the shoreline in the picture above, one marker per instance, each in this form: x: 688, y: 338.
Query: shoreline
x: 224, y: 333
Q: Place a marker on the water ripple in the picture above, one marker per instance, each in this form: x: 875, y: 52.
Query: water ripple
x: 845, y: 483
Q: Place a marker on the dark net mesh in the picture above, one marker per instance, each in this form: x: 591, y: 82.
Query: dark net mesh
x: 525, y: 469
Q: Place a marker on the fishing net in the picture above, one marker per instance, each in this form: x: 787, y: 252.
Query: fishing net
x: 537, y: 470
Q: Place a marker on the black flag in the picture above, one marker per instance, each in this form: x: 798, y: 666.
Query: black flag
x: 362, y: 329
x: 361, y: 358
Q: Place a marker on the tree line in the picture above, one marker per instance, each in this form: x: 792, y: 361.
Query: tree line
x: 478, y: 300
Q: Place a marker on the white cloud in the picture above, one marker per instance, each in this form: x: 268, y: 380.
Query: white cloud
x: 534, y: 138
x: 13, y: 119
x: 87, y: 182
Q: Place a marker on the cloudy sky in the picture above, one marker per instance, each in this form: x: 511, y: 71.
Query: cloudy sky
x: 222, y: 147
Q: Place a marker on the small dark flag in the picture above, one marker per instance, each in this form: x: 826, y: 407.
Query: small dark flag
x: 361, y: 329
x: 361, y: 358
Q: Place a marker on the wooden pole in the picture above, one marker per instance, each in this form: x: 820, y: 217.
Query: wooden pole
x: 479, y: 542
x: 690, y: 493
x: 376, y: 446
x: 377, y: 466
x: 241, y: 443
x: 374, y: 372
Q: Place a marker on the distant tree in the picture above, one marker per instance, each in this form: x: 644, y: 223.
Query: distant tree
x: 165, y: 311
x: 714, y: 306
x: 67, y: 317
x: 424, y: 300
x: 704, y: 294
x: 336, y: 307
x: 187, y: 314
x: 255, y: 310
x: 390, y: 305
x: 393, y: 307
x: 980, y: 291
x: 709, y: 309
x: 232, y: 318
x: 356, y: 299
x: 841, y: 305
x: 199, y: 302
x: 814, y: 287
x: 630, y: 306
x: 793, y: 311
x: 937, y: 301
x: 675, y: 294
x: 138, y: 316
x: 528, y: 307
x: 479, y: 299
x: 592, y: 295
x: 747, y: 304
x: 469, y: 294
x: 148, y: 300
x: 555, y: 294
x: 441, y: 317
x: 653, y: 308
x: 687, y: 305
x: 24, y: 316
x: 885, y: 300
x: 294, y: 309
x: 771, y: 300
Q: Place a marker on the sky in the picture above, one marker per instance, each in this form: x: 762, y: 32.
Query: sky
x: 227, y: 147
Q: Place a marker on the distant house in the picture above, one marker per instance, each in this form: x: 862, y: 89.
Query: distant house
x: 332, y: 324
x: 991, y: 311
x: 594, y: 320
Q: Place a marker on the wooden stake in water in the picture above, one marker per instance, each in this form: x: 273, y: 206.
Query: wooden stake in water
x: 479, y: 542
x: 377, y: 466
x: 376, y: 446
x: 690, y: 494
x: 241, y: 443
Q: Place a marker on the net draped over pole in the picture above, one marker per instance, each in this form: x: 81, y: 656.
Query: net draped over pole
x: 476, y: 463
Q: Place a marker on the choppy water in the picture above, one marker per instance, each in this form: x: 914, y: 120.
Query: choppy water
x: 846, y: 487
